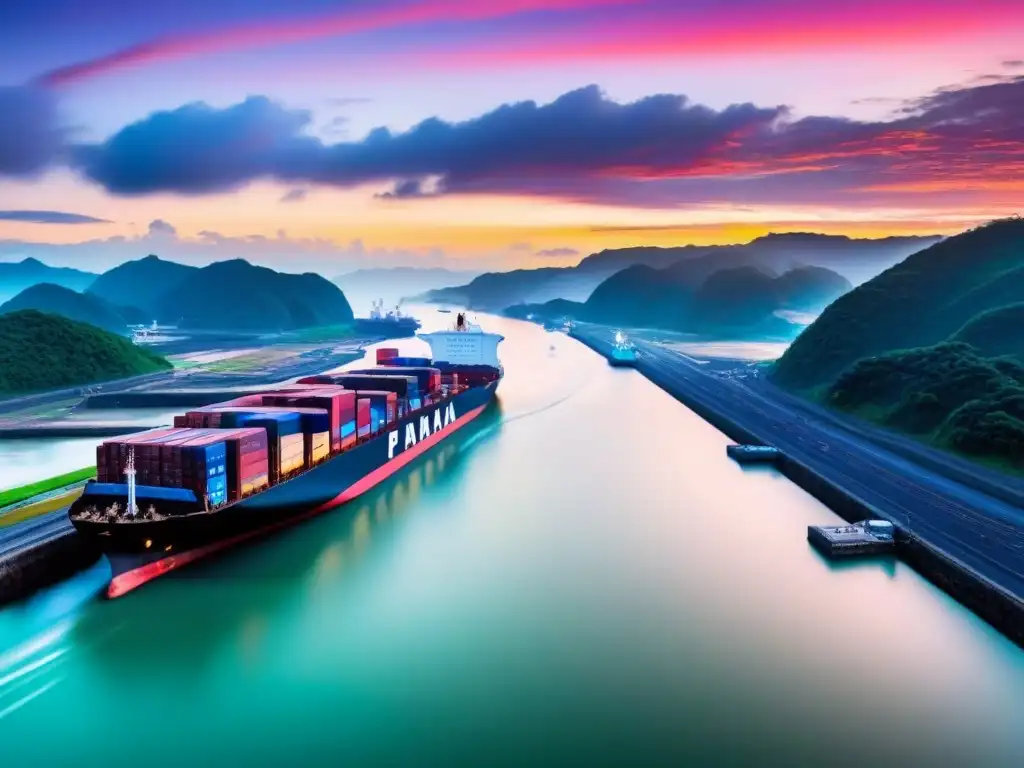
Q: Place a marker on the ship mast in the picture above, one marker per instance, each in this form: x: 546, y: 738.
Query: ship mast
x: 129, y: 472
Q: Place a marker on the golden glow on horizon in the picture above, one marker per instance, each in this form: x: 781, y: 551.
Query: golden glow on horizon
x: 511, y: 229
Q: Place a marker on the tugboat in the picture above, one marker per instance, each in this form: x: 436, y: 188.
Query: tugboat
x: 623, y: 352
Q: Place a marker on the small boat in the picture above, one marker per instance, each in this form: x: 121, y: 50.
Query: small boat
x: 623, y: 353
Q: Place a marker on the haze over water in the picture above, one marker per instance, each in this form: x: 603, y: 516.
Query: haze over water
x: 580, y: 576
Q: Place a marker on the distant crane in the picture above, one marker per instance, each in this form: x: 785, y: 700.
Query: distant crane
x: 377, y: 311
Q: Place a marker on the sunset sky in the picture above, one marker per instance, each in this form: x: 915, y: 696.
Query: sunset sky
x: 329, y: 135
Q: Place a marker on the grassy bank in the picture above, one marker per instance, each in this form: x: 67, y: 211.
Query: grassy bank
x: 24, y: 492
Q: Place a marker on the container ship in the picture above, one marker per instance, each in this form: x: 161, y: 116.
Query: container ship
x: 392, y: 324
x: 229, y: 472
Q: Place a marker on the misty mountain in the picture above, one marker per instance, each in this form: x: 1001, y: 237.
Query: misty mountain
x: 365, y: 286
x: 738, y: 302
x: 83, y: 307
x: 141, y: 283
x: 921, y: 301
x: 15, y: 277
x: 237, y: 296
x: 854, y: 259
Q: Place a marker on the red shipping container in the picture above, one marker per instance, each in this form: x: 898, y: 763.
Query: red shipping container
x: 247, y: 400
x: 246, y: 458
x: 339, y: 404
x: 115, y: 453
x: 363, y: 417
x: 386, y: 353
x: 171, y: 471
x: 320, y: 379
x: 390, y: 398
x: 252, y: 462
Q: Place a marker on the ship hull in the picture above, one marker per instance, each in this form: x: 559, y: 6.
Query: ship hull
x: 140, y: 551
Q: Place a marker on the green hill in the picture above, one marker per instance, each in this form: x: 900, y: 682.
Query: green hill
x: 996, y: 332
x: 947, y: 394
x: 140, y: 283
x: 237, y: 296
x: 917, y: 303
x: 41, y: 351
x: 83, y: 307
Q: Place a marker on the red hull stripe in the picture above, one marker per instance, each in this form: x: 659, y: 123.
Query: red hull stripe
x: 129, y: 580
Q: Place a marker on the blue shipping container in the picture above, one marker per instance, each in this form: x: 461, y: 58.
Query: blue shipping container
x: 150, y: 492
x: 419, y: 378
x: 315, y: 423
x: 378, y: 416
x: 413, y: 362
x: 217, y: 489
x: 278, y: 425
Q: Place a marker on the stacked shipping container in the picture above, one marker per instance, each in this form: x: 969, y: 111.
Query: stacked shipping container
x: 427, y: 379
x: 386, y: 353
x: 226, y: 451
x: 248, y: 461
x: 339, y: 404
x: 406, y: 362
x: 363, y: 421
x: 383, y: 407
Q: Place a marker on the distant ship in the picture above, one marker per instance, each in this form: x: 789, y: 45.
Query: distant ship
x: 152, y: 334
x: 390, y: 324
x: 623, y: 352
x: 229, y: 472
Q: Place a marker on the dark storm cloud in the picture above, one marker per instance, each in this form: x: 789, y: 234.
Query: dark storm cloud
x: 50, y: 217
x: 659, y: 151
x: 197, y: 148
x: 29, y: 137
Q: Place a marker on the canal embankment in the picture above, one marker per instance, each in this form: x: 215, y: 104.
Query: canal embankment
x: 39, y: 552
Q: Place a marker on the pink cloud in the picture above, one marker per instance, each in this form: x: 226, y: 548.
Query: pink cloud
x: 307, y: 28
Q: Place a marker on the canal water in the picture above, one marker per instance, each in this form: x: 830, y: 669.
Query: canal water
x: 581, y: 576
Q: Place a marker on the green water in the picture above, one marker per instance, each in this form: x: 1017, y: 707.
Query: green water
x: 581, y: 577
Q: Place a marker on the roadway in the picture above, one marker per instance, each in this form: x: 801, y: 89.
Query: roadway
x: 33, y: 532
x: 984, y: 532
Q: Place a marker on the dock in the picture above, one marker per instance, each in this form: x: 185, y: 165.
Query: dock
x: 868, y: 537
x: 753, y: 454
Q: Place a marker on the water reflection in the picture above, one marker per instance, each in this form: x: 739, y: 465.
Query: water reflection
x: 181, y: 624
x: 600, y: 585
